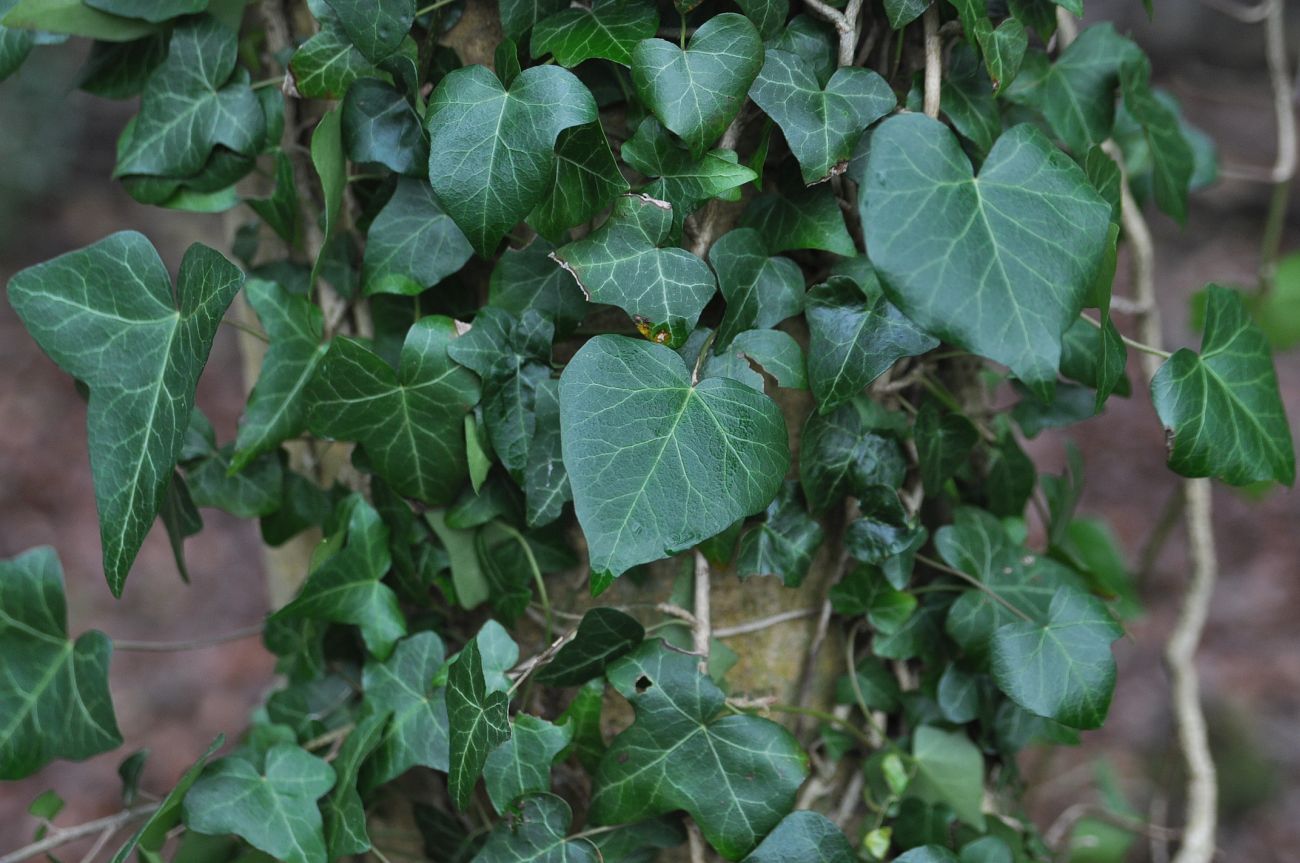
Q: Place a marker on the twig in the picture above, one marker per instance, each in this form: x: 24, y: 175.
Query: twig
x: 1284, y: 166
x: 845, y: 24
x: 330, y: 737
x: 1057, y: 835
x: 702, y: 630
x: 675, y: 611
x: 696, y: 842
x: 193, y: 644
x: 1240, y: 11
x: 1132, y: 343
x: 933, y: 60
x: 60, y: 836
x: 763, y: 623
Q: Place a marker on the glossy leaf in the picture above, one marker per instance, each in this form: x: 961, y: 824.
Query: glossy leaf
x: 658, y: 464
x: 478, y: 721
x: 376, y: 27
x: 1172, y: 160
x: 546, y: 482
x: 522, y: 764
x: 604, y: 635
x: 776, y: 353
x: 54, y: 699
x: 534, y: 832
x: 491, y: 150
x: 407, y: 685
x: 609, y: 30
x: 343, y: 811
x: 735, y: 774
x: 760, y: 290
x: 412, y: 244
x: 804, y: 837
x: 1013, y: 276
x: 106, y: 315
x: 783, y: 545
x: 585, y: 181
x: 803, y: 218
x: 529, y: 278
x: 1221, y: 409
x: 380, y: 126
x: 410, y: 421
x: 841, y: 454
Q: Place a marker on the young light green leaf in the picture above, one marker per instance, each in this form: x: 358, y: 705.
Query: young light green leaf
x: 522, y: 764
x: 807, y: 837
x: 609, y: 30
x: 949, y: 769
x: 381, y: 127
x: 534, y: 832
x: 410, y: 422
x: 604, y: 635
x: 406, y: 684
x: 272, y: 806
x: 658, y: 464
x: 586, y: 179
x: 760, y: 290
x: 54, y: 700
x: 1060, y: 666
x: 1033, y: 229
x: 855, y: 336
x: 620, y: 263
x: 683, y: 753
x: 466, y: 571
x: 347, y: 587
x: 412, y: 244
x: 344, y: 814
x: 106, y: 315
x: 478, y: 720
x: 491, y: 150
x: 821, y: 124
x: 277, y: 408
x: 697, y: 92
x: 800, y: 218
x: 783, y: 545
x: 376, y: 27
x: 529, y: 278
x: 1221, y: 409
x: 192, y: 105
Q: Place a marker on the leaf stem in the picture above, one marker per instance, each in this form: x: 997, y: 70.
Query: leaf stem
x: 829, y: 718
x: 702, y: 630
x: 247, y: 330
x: 266, y: 82
x: 433, y: 6
x: 192, y: 644
x: 537, y: 577
x: 63, y: 835
x: 974, y: 582
x: 1132, y: 343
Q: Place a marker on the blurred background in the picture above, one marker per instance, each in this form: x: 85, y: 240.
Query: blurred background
x: 56, y: 157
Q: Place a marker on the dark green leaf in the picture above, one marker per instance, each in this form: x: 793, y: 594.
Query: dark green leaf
x: 180, y: 519
x: 411, y: 422
x: 680, y: 753
x: 1095, y: 358
x: 1004, y: 49
x: 585, y: 181
x: 775, y: 352
x: 840, y: 454
x: 119, y: 70
x: 658, y: 464
x: 696, y: 93
x: 1172, y: 161
x: 546, y: 483
x: 610, y: 29
x: 804, y: 837
x: 327, y: 64
x: 153, y: 832
x: 801, y: 218
x: 412, y: 244
x: 381, y: 127
x: 1032, y: 228
x: 529, y: 278
x: 522, y: 764
x: 768, y: 15
x: 250, y: 491
x: 903, y: 12
x: 376, y: 27
x: 604, y: 635
x: 760, y: 291
x: 783, y: 545
x: 344, y: 813
x: 943, y: 444
x: 478, y: 721
x: 491, y: 151
x: 1221, y: 409
x: 106, y: 314
x: 533, y: 832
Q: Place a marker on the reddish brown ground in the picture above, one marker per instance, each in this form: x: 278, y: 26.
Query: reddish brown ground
x: 175, y: 703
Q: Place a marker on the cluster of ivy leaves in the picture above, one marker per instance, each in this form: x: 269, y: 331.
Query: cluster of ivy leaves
x: 507, y: 289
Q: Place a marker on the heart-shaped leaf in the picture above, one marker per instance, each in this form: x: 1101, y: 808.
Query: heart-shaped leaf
x: 107, y: 316
x: 404, y: 685
x: 522, y: 764
x: 696, y: 93
x: 376, y: 27
x: 804, y: 836
x: 1221, y: 408
x: 761, y: 290
x: 586, y: 179
x: 610, y: 30
x: 491, y: 150
x: 380, y: 126
x: 534, y: 832
x: 604, y: 635
x: 784, y: 544
x: 821, y: 124
x: 999, y: 264
x: 657, y: 464
x: 412, y: 244
x: 620, y: 263
x: 800, y: 218
x: 478, y: 718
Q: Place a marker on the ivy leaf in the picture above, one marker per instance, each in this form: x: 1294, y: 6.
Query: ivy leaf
x: 841, y: 454
x: 376, y: 27
x: 533, y: 832
x: 1076, y: 93
x: 192, y: 105
x: 683, y: 180
x: 251, y: 492
x: 777, y: 353
x: 522, y: 764
x: 1035, y: 232
x: 855, y: 336
x: 272, y: 805
x: 821, y: 124
x: 760, y: 290
x: 802, y: 218
x: 153, y: 11
x: 478, y: 721
x: 696, y: 93
x: 949, y: 769
x: 1004, y: 49
x: 586, y: 179
x: 381, y: 127
x: 344, y: 813
x: 1172, y: 161
x: 804, y: 837
x: 277, y: 409
x: 620, y: 263
x: 783, y: 545
x: 943, y: 444
x: 491, y: 150
x: 74, y: 18
x: 327, y: 64
x: 347, y: 587
x: 658, y: 464
x: 546, y: 483
x: 735, y: 774
x: 153, y: 832
x: 519, y: 16
x: 529, y: 278
x: 609, y: 30
x: 1060, y: 667
x: 768, y: 15
x: 1096, y: 358
x: 54, y: 695
x: 412, y: 244
x: 410, y: 422
x: 407, y: 685
x: 903, y: 12
x: 107, y: 316
x: 15, y: 45
x: 1221, y: 409
x: 604, y: 635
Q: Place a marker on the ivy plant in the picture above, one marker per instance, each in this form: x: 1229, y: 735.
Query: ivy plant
x: 571, y: 317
